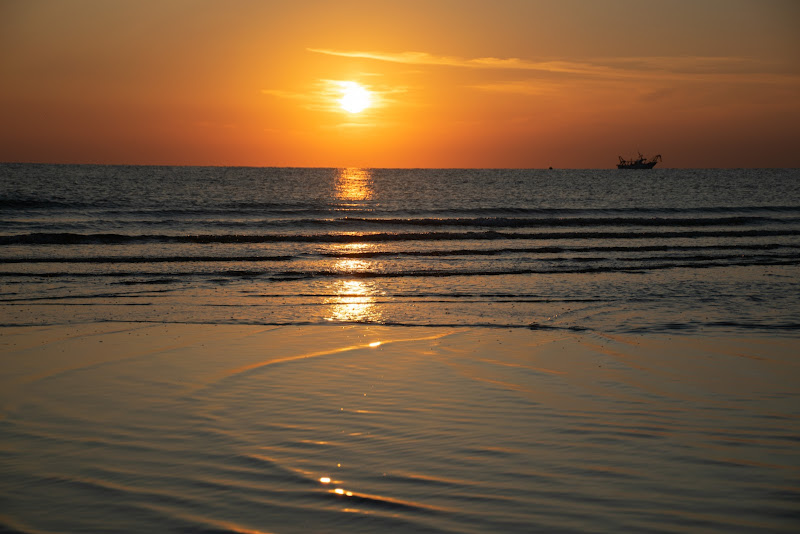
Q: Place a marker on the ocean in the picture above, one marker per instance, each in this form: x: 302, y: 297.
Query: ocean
x: 279, y: 350
x: 603, y: 250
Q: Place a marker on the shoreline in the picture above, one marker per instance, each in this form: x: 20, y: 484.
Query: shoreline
x: 751, y: 356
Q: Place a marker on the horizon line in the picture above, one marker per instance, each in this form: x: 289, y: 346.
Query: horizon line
x: 96, y: 164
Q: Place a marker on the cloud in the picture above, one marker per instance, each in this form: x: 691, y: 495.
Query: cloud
x: 703, y: 68
x: 521, y: 87
x: 323, y: 96
x: 424, y: 58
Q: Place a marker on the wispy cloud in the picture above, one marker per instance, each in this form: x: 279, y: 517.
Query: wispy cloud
x: 521, y: 87
x: 733, y: 68
x: 424, y: 58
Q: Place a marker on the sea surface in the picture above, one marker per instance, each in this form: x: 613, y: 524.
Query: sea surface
x: 665, y: 250
x: 260, y: 350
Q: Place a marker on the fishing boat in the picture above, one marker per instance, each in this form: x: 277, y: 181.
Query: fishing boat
x: 639, y: 163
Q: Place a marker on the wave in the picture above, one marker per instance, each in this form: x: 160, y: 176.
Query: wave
x: 148, y: 259
x: 437, y: 222
x: 676, y: 251
x: 38, y: 204
x: 156, y: 226
x: 68, y: 238
x: 788, y: 327
x: 555, y: 250
x: 162, y: 209
x: 557, y: 222
x: 553, y: 268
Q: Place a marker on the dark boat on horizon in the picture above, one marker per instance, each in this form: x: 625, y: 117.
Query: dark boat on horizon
x: 639, y: 163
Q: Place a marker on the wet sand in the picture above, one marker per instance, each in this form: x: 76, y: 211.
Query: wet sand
x: 218, y: 428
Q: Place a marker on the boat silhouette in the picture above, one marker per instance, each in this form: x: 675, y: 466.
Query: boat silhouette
x: 639, y: 163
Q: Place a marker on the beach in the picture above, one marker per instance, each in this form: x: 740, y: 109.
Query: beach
x: 129, y: 427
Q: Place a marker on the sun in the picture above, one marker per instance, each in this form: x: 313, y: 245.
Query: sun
x: 355, y: 98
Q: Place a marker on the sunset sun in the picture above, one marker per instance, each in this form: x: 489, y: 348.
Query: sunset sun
x: 355, y: 98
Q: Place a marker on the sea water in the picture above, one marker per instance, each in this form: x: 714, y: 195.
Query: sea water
x: 665, y: 250
x: 230, y: 350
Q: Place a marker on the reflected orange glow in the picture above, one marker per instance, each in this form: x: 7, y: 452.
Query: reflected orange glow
x: 352, y: 248
x: 325, y: 480
x: 354, y: 302
x: 352, y: 266
x: 354, y: 184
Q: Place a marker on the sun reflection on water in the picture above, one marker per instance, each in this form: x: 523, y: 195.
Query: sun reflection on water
x: 353, y: 301
x: 352, y: 266
x: 354, y: 184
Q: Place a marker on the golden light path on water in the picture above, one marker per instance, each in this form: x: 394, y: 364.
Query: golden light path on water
x: 354, y: 184
x: 353, y: 300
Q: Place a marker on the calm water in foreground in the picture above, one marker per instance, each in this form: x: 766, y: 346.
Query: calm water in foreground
x: 194, y: 349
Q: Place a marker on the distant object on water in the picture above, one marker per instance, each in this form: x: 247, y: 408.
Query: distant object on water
x: 639, y: 163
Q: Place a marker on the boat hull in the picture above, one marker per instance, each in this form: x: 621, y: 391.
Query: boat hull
x: 648, y: 165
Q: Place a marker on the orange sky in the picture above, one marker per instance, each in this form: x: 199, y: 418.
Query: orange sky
x: 462, y: 83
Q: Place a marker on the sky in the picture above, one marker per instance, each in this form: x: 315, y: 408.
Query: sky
x: 455, y: 84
